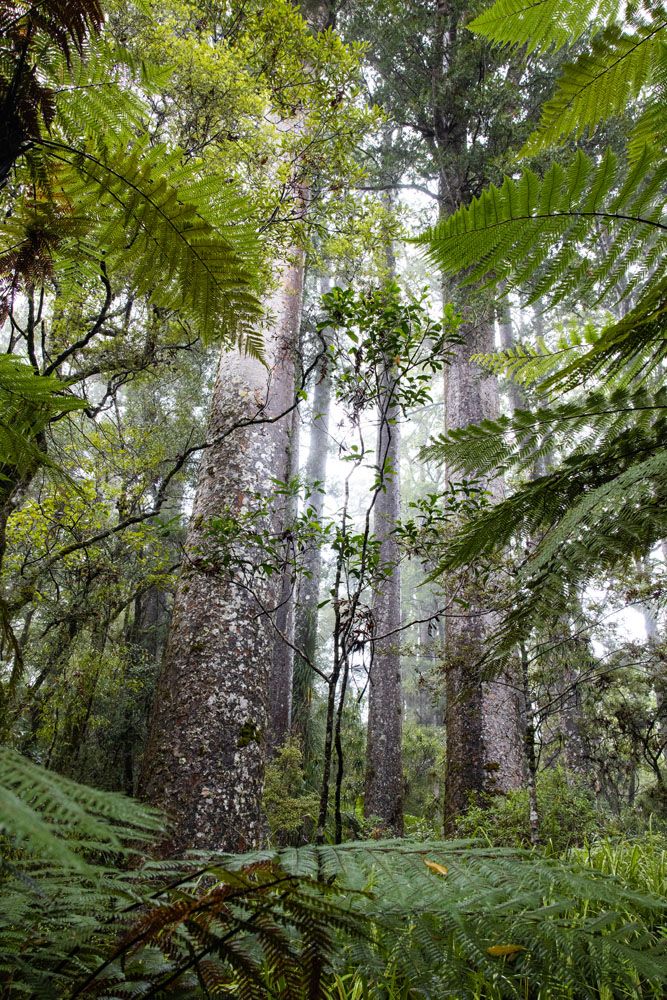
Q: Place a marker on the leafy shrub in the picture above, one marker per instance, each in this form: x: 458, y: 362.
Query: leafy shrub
x: 566, y: 807
x: 291, y: 810
x: 424, y: 768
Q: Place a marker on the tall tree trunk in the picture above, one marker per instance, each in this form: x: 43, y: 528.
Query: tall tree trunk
x: 653, y: 640
x: 384, y: 760
x: 306, y: 617
x: 205, y: 755
x: 531, y: 758
x: 282, y: 666
x: 483, y: 718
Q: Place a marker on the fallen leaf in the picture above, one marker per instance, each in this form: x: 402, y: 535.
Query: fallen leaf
x: 505, y: 949
x: 435, y: 867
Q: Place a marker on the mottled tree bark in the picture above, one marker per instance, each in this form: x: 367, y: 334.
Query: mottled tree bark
x: 205, y: 755
x: 483, y: 718
x: 306, y: 616
x: 653, y: 640
x: 384, y: 761
x: 282, y: 666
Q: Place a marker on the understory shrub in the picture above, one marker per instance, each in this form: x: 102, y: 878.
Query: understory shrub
x: 567, y: 812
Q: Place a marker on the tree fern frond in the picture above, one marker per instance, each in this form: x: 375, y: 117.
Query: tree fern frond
x: 534, y: 230
x: 600, y: 84
x: 631, y: 348
x: 66, y: 23
x: 127, y: 210
x: 61, y: 821
x: 518, y: 441
x: 529, y: 364
x: 28, y: 402
x: 541, y: 25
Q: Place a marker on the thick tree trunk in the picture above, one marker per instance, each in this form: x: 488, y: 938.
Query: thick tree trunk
x: 653, y: 641
x: 571, y: 724
x: 384, y: 762
x: 306, y: 616
x: 483, y: 718
x: 205, y: 755
x: 282, y: 667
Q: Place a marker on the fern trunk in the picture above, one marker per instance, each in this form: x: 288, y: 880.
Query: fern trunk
x: 206, y: 749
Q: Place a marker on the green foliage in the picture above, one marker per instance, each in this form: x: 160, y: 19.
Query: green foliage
x: 444, y: 911
x: 390, y: 346
x: 28, y: 403
x: 625, y: 59
x: 445, y: 917
x: 539, y: 234
x: 589, y: 232
x: 423, y: 767
x: 90, y: 196
x: 543, y: 25
x: 640, y: 862
x: 63, y: 823
x: 536, y: 233
x: 290, y: 809
x: 567, y: 815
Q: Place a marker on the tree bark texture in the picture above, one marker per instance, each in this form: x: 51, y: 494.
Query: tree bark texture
x: 306, y: 614
x: 384, y: 767
x: 205, y: 755
x: 483, y: 718
x: 282, y: 666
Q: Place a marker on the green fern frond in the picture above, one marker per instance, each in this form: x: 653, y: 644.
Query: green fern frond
x: 132, y: 211
x: 530, y: 364
x: 600, y: 505
x: 62, y: 822
x: 283, y: 922
x: 541, y: 25
x: 28, y: 402
x: 519, y: 441
x: 534, y: 231
x: 599, y: 85
x: 95, y: 188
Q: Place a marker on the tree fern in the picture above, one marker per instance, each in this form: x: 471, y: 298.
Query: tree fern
x: 93, y: 190
x: 437, y: 917
x: 519, y: 441
x: 592, y: 232
x: 541, y: 25
x: 600, y: 84
x: 55, y: 819
x: 28, y: 402
x: 607, y: 499
x: 626, y: 54
x: 533, y: 232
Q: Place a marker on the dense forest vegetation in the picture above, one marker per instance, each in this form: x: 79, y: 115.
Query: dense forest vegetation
x: 333, y: 499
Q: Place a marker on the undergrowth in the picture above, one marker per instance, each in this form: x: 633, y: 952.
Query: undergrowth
x: 387, y: 919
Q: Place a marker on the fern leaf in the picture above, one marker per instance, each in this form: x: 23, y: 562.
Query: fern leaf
x: 599, y: 85
x: 58, y: 820
x: 543, y: 24
x: 534, y: 230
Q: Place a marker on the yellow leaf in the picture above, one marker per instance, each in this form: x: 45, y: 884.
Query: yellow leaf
x: 505, y: 949
x: 435, y: 867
